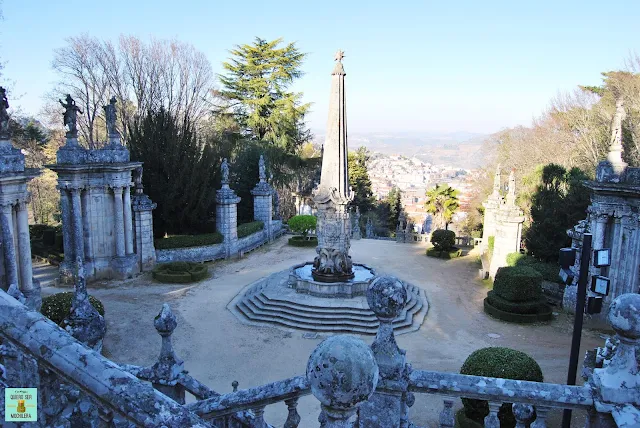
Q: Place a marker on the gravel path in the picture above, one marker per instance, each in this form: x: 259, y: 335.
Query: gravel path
x: 218, y: 349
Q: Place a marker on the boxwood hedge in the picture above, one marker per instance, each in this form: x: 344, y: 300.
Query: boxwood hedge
x: 185, y: 241
x: 301, y: 241
x: 499, y: 362
x: 180, y: 272
x: 58, y: 306
x: 518, y: 283
x: 247, y: 229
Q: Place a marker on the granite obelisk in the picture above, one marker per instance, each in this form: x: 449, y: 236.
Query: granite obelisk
x: 333, y: 263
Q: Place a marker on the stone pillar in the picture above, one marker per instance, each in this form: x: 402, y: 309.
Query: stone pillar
x: 87, y: 230
x: 128, y: 224
x: 262, y: 201
x: 507, y: 237
x: 227, y: 213
x: 389, y: 404
x: 27, y: 287
x: 119, y: 222
x: 10, y: 261
x: 143, y: 222
x: 76, y: 221
x: 67, y: 231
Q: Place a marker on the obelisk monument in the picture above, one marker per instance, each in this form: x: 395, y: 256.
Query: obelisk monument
x: 333, y: 263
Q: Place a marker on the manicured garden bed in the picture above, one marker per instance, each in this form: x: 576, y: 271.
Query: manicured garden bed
x: 247, y: 229
x: 58, y: 306
x: 451, y: 253
x: 185, y: 241
x: 301, y: 241
x: 180, y: 272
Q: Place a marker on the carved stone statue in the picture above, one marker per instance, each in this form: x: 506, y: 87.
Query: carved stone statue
x: 4, y: 116
x: 71, y: 116
x: 262, y: 172
x: 110, y: 117
x: 225, y: 171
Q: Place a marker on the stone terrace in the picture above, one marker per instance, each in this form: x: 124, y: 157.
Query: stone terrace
x: 218, y: 349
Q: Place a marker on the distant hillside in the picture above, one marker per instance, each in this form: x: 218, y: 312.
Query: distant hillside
x: 458, y: 149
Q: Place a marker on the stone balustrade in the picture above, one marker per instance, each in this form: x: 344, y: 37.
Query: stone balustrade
x: 357, y: 385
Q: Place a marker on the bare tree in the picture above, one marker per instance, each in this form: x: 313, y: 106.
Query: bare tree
x: 80, y: 65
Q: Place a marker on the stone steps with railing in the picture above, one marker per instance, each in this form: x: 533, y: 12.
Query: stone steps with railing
x: 357, y: 385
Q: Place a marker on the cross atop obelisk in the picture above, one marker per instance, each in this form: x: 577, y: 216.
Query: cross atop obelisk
x: 339, y: 55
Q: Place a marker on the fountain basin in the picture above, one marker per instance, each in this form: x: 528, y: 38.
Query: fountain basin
x: 302, y: 281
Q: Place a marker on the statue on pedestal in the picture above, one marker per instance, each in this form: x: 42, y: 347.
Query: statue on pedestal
x: 70, y: 116
x: 110, y: 118
x: 262, y: 172
x: 4, y: 115
x: 225, y: 171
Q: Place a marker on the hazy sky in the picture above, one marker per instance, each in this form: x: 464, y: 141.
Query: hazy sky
x: 474, y: 66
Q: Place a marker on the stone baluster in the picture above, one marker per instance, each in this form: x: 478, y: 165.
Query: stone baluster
x: 387, y: 407
x: 617, y: 383
x: 128, y: 222
x: 541, y: 417
x: 234, y: 385
x: 258, y: 417
x: 119, y: 221
x: 10, y: 262
x: 447, y: 418
x: 76, y: 220
x: 165, y: 372
x: 491, y: 420
x: 342, y: 373
x: 84, y: 322
x: 293, y: 418
x: 523, y: 414
x: 30, y: 290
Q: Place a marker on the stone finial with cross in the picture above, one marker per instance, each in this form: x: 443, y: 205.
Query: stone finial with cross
x: 339, y: 55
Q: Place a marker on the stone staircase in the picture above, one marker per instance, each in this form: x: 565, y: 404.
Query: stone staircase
x: 269, y: 302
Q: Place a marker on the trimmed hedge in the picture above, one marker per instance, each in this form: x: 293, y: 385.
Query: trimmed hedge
x: 58, y: 306
x: 549, y: 271
x: 443, y: 240
x: 544, y: 314
x: 499, y: 362
x: 185, y: 241
x: 301, y: 241
x: 518, y: 284
x: 180, y: 272
x: 247, y: 229
x: 451, y: 253
x: 530, y: 307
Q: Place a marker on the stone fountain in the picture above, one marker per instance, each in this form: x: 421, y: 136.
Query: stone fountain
x: 328, y: 293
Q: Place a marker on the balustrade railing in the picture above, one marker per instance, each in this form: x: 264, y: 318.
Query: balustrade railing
x: 357, y: 385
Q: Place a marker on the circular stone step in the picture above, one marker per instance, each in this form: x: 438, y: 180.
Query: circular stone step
x: 271, y: 302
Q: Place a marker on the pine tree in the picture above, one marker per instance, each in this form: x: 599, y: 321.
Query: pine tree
x: 442, y: 202
x: 359, y: 179
x: 394, y: 200
x: 255, y: 92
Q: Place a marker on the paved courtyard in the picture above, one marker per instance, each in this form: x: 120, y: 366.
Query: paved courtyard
x: 218, y: 349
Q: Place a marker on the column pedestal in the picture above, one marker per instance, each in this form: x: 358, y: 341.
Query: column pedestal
x: 10, y: 262
x: 227, y: 219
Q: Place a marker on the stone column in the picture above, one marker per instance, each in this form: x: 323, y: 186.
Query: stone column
x: 128, y: 225
x: 10, y: 262
x: 143, y: 221
x: 227, y: 218
x: 119, y: 222
x: 24, y: 243
x: 86, y: 225
x: 262, y: 201
x: 76, y: 220
x: 67, y: 229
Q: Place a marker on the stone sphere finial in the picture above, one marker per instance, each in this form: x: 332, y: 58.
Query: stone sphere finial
x: 624, y: 316
x: 165, y: 322
x: 342, y: 372
x: 386, y: 296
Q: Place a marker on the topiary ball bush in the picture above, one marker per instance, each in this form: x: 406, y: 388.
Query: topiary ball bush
x: 180, y: 272
x: 302, y: 224
x: 518, y: 284
x: 499, y: 362
x: 443, y: 240
x: 58, y: 306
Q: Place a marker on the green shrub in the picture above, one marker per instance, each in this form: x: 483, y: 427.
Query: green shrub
x: 247, y: 229
x: 302, y: 224
x: 451, y: 253
x: 185, y: 241
x: 491, y: 242
x: 499, y: 362
x: 529, y: 307
x: 301, y: 241
x: 57, y: 306
x: 443, y: 240
x: 180, y: 272
x: 548, y: 270
x: 518, y: 284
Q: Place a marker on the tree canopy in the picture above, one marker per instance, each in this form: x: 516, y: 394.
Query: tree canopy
x: 359, y: 179
x: 255, y: 93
